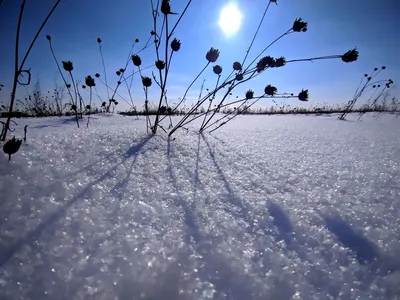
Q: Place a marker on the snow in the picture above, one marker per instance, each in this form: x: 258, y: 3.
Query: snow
x: 267, y: 207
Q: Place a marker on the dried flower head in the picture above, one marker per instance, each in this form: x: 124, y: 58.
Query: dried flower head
x: 115, y: 102
x: 217, y: 69
x: 239, y: 77
x: 160, y: 64
x: 89, y: 80
x: 263, y: 63
x: 136, y: 60
x: 303, y: 95
x: 152, y: 32
x: 280, y: 62
x: 88, y: 107
x: 383, y: 67
x: 99, y: 40
x: 68, y: 85
x: 122, y: 70
x: 270, y: 90
x: 249, y: 94
x: 48, y: 37
x: 166, y: 8
x: 175, y: 45
x: 118, y: 73
x: 136, y: 40
x: 97, y: 75
x: 274, y: 1
x: 369, y: 78
x: 365, y: 75
x: 68, y: 66
x: 11, y: 147
x: 73, y: 107
x: 375, y: 69
x: 350, y: 56
x: 212, y: 55
x: 103, y: 104
x: 83, y: 86
x: 299, y: 25
x: 163, y: 109
x: 146, y: 81
x: 237, y: 66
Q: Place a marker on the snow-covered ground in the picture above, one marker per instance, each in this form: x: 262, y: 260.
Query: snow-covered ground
x: 268, y: 207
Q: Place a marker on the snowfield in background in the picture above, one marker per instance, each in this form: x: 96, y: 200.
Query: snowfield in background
x: 267, y: 207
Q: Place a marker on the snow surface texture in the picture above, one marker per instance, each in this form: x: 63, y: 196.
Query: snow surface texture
x: 279, y: 207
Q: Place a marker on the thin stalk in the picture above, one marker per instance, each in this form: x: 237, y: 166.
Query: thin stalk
x: 76, y: 99
x: 90, y: 107
x: 209, y: 106
x: 104, y: 70
x: 255, y: 35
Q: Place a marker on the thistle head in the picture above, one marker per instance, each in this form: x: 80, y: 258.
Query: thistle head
x: 350, y: 56
x: 212, y: 55
x: 299, y: 25
x: 237, y: 66
x: 303, y: 95
x: 239, y: 77
x: 146, y: 81
x: 136, y: 60
x: 48, y: 37
x: 83, y: 86
x: 136, y: 40
x: 263, y: 63
x: 88, y: 107
x: 270, y: 90
x: 160, y: 64
x: 217, y: 69
x: 97, y: 75
x: 68, y: 66
x: 99, y: 40
x: 280, y: 62
x: 89, y: 80
x: 175, y: 45
x: 73, y: 107
x: 103, y: 104
x: 249, y: 94
x: 118, y: 73
x: 122, y: 70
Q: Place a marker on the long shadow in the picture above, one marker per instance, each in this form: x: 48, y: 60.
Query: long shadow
x: 365, y: 251
x: 35, y: 233
x: 215, y: 268
x: 233, y: 198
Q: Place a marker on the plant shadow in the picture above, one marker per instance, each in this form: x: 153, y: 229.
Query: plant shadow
x: 32, y: 235
x: 365, y: 251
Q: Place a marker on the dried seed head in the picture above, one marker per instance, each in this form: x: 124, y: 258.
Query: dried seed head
x: 88, y: 107
x: 266, y: 61
x: 136, y: 60
x: 89, y: 80
x: 122, y: 70
x: 299, y: 25
x: 270, y: 90
x: 73, y: 107
x: 162, y: 109
x: 152, y: 32
x: 11, y: 147
x: 375, y: 69
x: 350, y: 56
x: 212, y: 55
x: 365, y: 75
x: 280, y: 62
x: 146, y: 81
x: 160, y: 64
x: 68, y: 85
x: 249, y: 94
x: 68, y: 66
x: 239, y: 77
x: 237, y: 66
x: 97, y: 75
x: 303, y: 95
x: 99, y: 40
x: 383, y: 67
x: 217, y: 69
x: 83, y: 86
x: 136, y: 40
x: 175, y: 45
x: 118, y: 73
x: 103, y: 104
x: 48, y: 37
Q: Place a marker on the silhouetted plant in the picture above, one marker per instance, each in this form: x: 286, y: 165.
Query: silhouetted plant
x: 366, y: 85
x: 89, y: 80
x: 19, y: 67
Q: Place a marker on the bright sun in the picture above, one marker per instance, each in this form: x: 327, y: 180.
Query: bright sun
x: 230, y: 19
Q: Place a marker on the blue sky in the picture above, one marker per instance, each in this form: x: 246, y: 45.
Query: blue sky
x: 333, y: 28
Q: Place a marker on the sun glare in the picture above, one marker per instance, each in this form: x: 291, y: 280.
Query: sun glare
x: 230, y: 19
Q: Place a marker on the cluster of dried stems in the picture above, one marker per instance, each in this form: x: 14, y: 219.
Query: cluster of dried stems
x: 165, y: 23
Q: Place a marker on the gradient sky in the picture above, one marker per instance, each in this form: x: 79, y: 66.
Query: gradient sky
x: 334, y: 26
